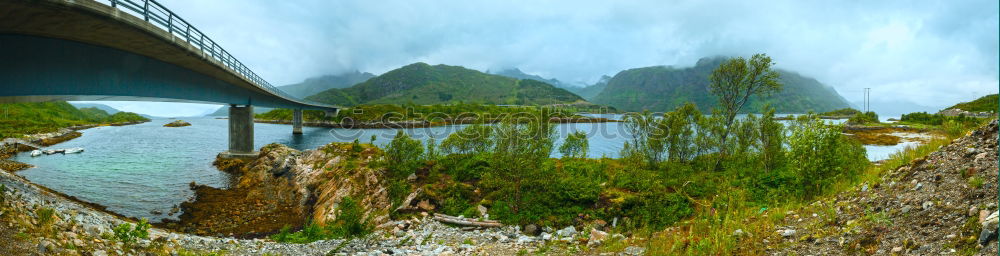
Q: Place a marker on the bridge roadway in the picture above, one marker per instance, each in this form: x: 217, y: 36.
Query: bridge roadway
x: 124, y: 50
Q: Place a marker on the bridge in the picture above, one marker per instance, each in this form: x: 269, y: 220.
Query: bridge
x: 129, y: 50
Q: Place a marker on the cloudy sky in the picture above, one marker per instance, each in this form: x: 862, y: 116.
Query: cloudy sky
x: 930, y: 53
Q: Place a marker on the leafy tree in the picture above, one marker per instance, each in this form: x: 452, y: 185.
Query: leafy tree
x: 734, y: 82
x: 644, y: 145
x: 680, y: 126
x: 771, y: 136
x: 403, y: 153
x: 575, y: 145
x: 520, y: 150
x: 472, y: 139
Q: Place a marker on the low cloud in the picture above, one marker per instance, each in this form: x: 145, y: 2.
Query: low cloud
x: 932, y: 53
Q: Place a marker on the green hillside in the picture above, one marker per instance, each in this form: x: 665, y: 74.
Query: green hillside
x: 663, y: 88
x: 986, y: 103
x: 18, y: 119
x: 423, y: 84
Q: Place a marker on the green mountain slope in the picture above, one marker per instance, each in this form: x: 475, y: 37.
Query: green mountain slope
x: 663, y: 88
x: 322, y: 83
x: 110, y: 110
x: 17, y: 119
x: 423, y: 84
x: 986, y: 103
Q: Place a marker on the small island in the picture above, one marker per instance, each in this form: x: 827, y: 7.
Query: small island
x: 178, y: 123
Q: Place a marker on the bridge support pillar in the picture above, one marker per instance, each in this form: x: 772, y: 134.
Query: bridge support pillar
x: 240, y: 132
x: 297, y: 121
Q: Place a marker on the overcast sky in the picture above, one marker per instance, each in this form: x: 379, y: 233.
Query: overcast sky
x: 931, y: 53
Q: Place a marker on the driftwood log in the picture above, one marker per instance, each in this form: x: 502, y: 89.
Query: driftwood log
x: 466, y: 221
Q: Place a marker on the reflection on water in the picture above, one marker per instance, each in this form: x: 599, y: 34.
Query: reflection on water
x: 138, y: 169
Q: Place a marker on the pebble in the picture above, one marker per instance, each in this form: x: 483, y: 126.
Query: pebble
x: 788, y: 233
x: 738, y: 233
x: 927, y: 205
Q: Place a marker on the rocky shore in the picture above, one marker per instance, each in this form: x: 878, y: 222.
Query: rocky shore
x: 939, y: 204
x: 71, y: 228
x: 350, y: 124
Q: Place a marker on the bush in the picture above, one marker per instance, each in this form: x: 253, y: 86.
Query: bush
x: 864, y: 118
x: 349, y: 223
x: 128, y: 234
x: 575, y: 145
x: 473, y: 139
x: 404, y: 154
x: 819, y: 155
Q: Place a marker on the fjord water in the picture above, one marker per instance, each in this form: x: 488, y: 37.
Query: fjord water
x: 138, y: 169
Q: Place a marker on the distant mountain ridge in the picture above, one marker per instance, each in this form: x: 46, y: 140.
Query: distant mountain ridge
x: 663, y: 88
x: 587, y: 92
x: 318, y: 84
x: 310, y: 86
x: 421, y: 83
x: 110, y: 110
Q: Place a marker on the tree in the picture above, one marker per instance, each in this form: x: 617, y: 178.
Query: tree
x: 575, y: 145
x: 522, y: 145
x: 403, y: 153
x: 734, y: 82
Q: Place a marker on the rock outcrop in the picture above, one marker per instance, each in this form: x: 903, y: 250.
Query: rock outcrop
x: 285, y: 187
x: 178, y: 123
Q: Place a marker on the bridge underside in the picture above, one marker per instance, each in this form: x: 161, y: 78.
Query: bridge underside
x: 35, y: 69
x: 47, y: 69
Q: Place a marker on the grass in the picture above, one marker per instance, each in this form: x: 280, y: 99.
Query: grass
x: 710, y: 230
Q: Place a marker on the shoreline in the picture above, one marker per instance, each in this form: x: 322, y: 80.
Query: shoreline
x: 421, y: 124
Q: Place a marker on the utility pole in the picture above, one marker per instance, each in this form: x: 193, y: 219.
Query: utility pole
x: 867, y: 97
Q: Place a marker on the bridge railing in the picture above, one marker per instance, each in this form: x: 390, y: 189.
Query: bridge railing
x: 158, y: 15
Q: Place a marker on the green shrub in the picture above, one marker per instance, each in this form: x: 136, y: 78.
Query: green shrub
x: 864, y: 118
x: 128, y: 234
x: 575, y: 145
x: 45, y: 216
x: 472, y: 139
x: 404, y: 154
x: 350, y: 222
x: 819, y: 155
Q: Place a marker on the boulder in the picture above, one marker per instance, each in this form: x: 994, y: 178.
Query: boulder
x: 567, y: 232
x: 531, y: 229
x: 596, y: 237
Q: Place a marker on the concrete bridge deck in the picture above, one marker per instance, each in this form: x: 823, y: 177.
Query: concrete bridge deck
x: 71, y: 50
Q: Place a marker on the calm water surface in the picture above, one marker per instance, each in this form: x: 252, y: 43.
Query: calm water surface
x: 137, y: 169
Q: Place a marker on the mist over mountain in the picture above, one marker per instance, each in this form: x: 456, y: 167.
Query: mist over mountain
x: 662, y: 88
x: 586, y: 91
x: 315, y: 85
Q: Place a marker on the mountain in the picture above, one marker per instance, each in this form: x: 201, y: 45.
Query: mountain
x: 318, y: 84
x: 587, y: 92
x: 662, y: 88
x: 110, y: 110
x: 310, y: 86
x: 986, y: 103
x: 423, y: 84
x: 591, y: 91
x: 40, y: 117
